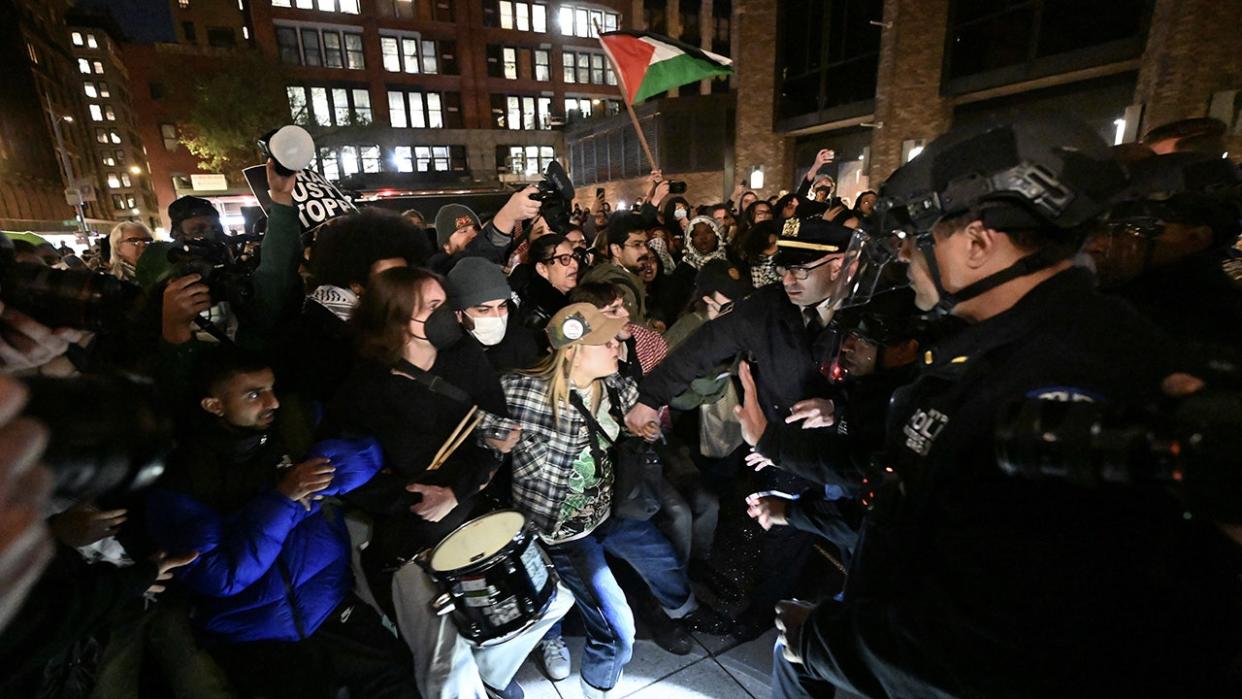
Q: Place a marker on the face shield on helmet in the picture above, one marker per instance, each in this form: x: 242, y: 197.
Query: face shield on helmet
x: 871, y: 267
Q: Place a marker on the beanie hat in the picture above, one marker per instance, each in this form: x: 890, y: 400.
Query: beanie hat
x: 475, y: 280
x: 450, y: 218
x: 188, y: 207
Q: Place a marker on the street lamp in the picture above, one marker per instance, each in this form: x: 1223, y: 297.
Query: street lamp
x: 135, y: 169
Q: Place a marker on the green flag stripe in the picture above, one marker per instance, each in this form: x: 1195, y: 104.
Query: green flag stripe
x: 675, y: 72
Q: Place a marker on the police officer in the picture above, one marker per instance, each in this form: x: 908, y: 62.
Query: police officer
x: 1162, y: 247
x: 967, y: 582
x: 785, y: 332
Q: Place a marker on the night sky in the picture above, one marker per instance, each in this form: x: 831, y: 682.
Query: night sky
x: 143, y: 21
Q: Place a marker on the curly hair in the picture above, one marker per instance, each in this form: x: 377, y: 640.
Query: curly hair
x: 346, y: 247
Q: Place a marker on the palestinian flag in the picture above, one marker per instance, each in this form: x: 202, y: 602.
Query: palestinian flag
x: 649, y: 64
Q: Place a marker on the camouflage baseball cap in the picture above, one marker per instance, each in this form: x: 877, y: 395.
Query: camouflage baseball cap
x: 582, y: 324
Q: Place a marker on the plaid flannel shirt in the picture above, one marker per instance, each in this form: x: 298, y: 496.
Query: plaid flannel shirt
x: 544, y: 456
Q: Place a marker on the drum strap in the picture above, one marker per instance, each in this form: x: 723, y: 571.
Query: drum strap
x: 433, y: 383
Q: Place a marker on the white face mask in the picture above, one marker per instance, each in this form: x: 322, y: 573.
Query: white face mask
x: 490, y: 330
x: 680, y: 213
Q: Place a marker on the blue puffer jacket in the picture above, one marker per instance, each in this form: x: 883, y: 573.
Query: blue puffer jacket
x: 269, y: 569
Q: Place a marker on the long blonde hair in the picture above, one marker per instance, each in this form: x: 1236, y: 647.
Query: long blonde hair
x: 555, y: 369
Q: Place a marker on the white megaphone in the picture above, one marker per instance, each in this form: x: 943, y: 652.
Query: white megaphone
x: 290, y: 146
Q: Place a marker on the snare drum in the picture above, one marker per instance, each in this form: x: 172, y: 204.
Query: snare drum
x: 497, y: 582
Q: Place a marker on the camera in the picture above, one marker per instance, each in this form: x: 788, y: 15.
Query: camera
x: 108, y: 436
x: 59, y: 298
x: 555, y: 192
x: 1191, y: 443
x: 676, y: 187
x: 214, y: 261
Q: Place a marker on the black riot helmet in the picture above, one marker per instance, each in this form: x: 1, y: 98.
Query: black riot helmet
x: 1045, y: 172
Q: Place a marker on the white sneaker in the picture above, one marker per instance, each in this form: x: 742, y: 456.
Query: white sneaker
x: 555, y: 658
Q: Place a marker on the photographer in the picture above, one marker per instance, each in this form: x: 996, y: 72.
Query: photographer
x: 968, y: 582
x: 459, y: 234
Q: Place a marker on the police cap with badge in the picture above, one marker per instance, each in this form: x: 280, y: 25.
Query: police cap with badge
x: 805, y: 240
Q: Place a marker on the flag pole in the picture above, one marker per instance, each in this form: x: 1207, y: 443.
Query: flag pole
x: 625, y: 97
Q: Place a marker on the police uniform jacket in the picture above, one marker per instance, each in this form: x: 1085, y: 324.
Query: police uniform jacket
x: 770, y: 332
x: 971, y: 583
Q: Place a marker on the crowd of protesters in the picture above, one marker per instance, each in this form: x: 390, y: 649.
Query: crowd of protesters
x: 811, y: 440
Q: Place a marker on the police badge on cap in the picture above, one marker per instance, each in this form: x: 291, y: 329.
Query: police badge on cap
x: 808, y: 239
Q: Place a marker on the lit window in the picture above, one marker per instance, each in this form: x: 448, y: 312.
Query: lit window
x: 103, y: 90
x: 396, y: 110
x: 539, y: 18
x: 329, y: 164
x: 429, y: 57
x: 521, y: 12
x: 506, y: 14
x: 297, y: 104
x: 96, y: 112
x: 125, y: 181
x: 183, y: 4
x: 353, y: 52
x: 113, y: 180
x: 510, y: 63
x: 77, y: 38
x: 370, y: 158
x: 280, y: 3
x: 582, y: 23
x: 611, y: 21
x: 108, y: 113
x: 319, y: 106
x: 98, y: 68
x: 597, y: 69
x: 418, y: 119
x: 109, y: 161
x: 349, y: 161
x: 245, y: 32
x: 91, y: 43
x: 514, y: 113
x: 84, y: 66
x: 542, y: 69
x: 391, y: 54
x: 409, y: 53
x: 597, y: 20
x: 435, y: 117
x: 567, y: 60
x: 114, y: 136
x: 403, y: 159
x: 340, y: 102
x: 565, y: 18
x: 349, y: 6
x: 362, y: 107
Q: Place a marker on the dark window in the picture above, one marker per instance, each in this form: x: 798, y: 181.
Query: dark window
x: 332, y: 49
x: 395, y: 8
x: 287, y: 40
x: 829, y: 54
x: 654, y: 12
x: 495, y: 61
x: 448, y: 56
x: 353, y: 52
x: 221, y: 37
x: 690, y: 29
x: 986, y: 36
x: 157, y: 89
x: 188, y: 29
x: 310, y: 47
x: 722, y: 18
x: 442, y: 10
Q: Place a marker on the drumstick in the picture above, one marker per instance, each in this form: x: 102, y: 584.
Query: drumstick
x: 455, y: 439
x: 448, y: 449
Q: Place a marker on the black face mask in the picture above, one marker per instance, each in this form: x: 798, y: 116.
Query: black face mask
x: 443, y: 330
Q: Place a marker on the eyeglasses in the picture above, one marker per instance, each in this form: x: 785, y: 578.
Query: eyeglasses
x: 138, y: 241
x: 564, y: 260
x: 801, y: 273
x: 635, y: 244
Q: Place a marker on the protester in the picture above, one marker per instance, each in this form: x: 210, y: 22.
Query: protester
x: 128, y: 241
x: 562, y: 481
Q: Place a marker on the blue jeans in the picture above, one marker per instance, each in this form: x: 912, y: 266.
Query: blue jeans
x: 605, y: 612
